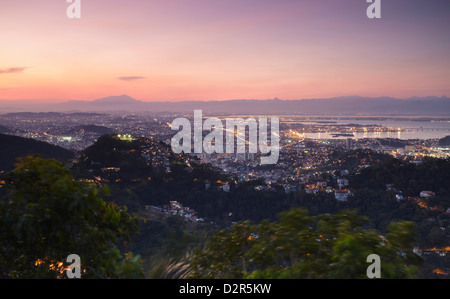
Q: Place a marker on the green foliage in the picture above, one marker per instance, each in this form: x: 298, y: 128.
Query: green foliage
x: 301, y: 246
x: 47, y: 215
x: 171, y: 267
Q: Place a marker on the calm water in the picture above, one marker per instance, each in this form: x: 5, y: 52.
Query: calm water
x: 414, y: 129
x: 423, y: 127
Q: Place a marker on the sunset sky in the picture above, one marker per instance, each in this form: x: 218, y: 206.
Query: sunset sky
x: 175, y: 50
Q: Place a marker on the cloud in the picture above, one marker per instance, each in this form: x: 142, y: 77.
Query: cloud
x: 12, y: 70
x: 130, y: 78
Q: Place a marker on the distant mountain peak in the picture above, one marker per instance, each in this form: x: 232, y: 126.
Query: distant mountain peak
x: 117, y: 99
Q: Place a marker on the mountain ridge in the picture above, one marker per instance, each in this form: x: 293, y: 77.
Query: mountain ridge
x: 354, y: 105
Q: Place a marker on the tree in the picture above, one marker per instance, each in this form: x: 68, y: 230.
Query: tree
x: 298, y: 245
x: 46, y: 215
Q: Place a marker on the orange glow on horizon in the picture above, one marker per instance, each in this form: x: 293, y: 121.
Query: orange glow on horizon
x: 216, y: 50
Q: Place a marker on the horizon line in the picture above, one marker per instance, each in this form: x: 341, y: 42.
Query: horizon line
x: 47, y: 101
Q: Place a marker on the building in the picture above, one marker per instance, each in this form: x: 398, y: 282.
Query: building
x: 110, y: 169
x: 427, y: 194
x: 321, y: 184
x: 410, y: 148
x: 349, y: 143
x: 342, y: 182
x: 311, y: 189
x: 290, y: 188
x: 207, y: 185
x: 341, y: 195
x: 226, y: 187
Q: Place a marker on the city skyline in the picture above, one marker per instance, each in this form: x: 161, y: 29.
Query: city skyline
x: 222, y: 50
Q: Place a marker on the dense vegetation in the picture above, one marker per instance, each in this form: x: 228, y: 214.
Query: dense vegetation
x: 168, y: 244
x: 300, y: 246
x: 45, y: 216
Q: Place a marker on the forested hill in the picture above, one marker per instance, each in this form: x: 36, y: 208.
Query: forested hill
x: 431, y: 174
x: 13, y: 147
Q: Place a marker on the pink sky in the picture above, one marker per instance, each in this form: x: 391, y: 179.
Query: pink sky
x: 177, y: 50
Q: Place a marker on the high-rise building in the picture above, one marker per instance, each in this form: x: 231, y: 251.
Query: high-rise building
x: 349, y: 143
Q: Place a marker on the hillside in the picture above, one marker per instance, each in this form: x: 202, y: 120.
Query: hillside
x: 111, y: 151
x: 445, y: 141
x: 4, y: 129
x: 14, y: 147
x: 411, y: 179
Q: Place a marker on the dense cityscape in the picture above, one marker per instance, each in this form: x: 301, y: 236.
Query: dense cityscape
x: 301, y: 164
x: 322, y: 169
